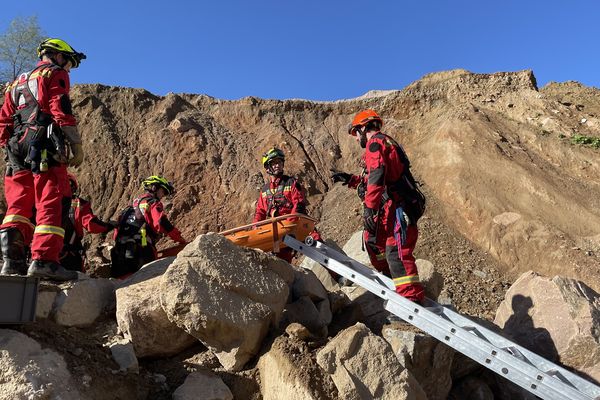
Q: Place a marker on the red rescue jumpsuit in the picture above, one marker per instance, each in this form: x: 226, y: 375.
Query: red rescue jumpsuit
x: 25, y: 187
x: 383, y: 168
x: 282, y: 196
x: 80, y: 217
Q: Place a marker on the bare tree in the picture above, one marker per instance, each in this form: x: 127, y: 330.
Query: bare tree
x: 18, y: 47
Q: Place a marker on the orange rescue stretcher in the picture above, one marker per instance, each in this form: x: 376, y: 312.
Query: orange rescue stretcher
x: 268, y: 235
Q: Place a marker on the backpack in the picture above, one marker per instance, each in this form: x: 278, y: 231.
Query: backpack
x: 414, y: 201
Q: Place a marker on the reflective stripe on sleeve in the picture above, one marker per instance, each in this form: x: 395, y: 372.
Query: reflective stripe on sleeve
x: 49, y: 229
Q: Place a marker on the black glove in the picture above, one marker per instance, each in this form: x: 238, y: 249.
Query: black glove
x: 341, y: 177
x: 112, y: 225
x: 369, y: 220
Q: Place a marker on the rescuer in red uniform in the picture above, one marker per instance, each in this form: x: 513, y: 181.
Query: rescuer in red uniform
x: 140, y: 226
x: 80, y: 217
x: 282, y: 195
x: 38, y: 131
x: 390, y: 208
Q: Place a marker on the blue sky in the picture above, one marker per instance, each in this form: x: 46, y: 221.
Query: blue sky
x: 319, y: 50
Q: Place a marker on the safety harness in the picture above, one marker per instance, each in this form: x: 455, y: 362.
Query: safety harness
x: 405, y: 190
x: 34, y: 143
x: 276, y: 199
x: 132, y: 223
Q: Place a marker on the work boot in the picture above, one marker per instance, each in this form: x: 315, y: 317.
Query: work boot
x: 50, y: 270
x: 13, y: 252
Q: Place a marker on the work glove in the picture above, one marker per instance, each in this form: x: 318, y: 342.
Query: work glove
x: 77, y: 159
x: 73, y: 137
x: 341, y: 177
x: 369, y: 220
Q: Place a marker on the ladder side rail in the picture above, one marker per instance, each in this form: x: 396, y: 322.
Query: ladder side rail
x: 537, y: 360
x: 322, y: 252
x: 548, y: 387
x: 496, y: 359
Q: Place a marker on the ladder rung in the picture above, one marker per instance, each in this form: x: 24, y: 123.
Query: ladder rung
x: 515, y: 352
x: 439, y: 310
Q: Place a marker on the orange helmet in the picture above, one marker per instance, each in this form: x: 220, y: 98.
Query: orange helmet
x: 73, y: 182
x: 362, y: 118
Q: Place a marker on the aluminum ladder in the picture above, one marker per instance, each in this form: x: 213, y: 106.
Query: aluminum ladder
x: 517, y: 364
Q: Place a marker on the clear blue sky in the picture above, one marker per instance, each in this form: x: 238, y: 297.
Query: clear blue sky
x: 320, y: 50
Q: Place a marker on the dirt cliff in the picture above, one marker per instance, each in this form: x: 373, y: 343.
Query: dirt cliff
x: 513, y: 168
x: 506, y: 163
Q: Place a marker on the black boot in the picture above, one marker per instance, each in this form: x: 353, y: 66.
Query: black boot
x: 50, y: 270
x: 13, y: 252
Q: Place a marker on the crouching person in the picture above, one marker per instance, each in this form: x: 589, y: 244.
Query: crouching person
x: 140, y: 227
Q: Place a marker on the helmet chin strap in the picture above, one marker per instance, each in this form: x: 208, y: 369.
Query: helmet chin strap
x: 362, y: 135
x: 363, y: 140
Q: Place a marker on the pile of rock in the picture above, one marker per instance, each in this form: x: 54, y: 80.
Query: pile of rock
x: 289, y: 330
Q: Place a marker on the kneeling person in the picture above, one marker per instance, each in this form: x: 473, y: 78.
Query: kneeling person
x: 140, y: 227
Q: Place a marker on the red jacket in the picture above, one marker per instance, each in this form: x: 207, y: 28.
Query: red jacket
x: 52, y: 94
x: 281, y: 196
x: 156, y: 219
x: 84, y: 218
x: 383, y: 168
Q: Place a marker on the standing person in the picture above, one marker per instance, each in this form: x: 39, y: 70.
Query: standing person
x: 38, y: 130
x: 392, y: 204
x: 282, y: 195
x: 80, y: 217
x: 140, y: 226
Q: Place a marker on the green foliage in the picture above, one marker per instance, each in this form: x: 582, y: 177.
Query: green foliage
x: 586, y: 141
x: 18, y: 47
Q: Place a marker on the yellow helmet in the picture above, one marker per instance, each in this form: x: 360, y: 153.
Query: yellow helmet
x: 160, y: 182
x: 53, y: 45
x: 272, y: 155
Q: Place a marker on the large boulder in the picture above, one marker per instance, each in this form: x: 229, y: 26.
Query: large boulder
x: 558, y: 318
x: 83, y: 302
x: 29, y: 372
x: 354, y: 249
x: 309, y: 304
x: 429, y: 360
x: 288, y: 372
x: 357, y: 304
x: 78, y: 303
x: 141, y: 317
x: 364, y: 366
x: 226, y: 296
